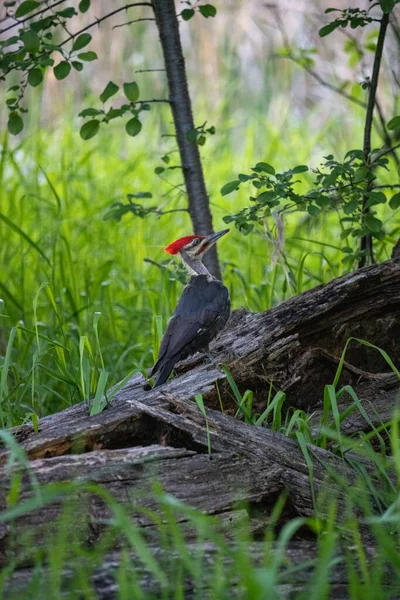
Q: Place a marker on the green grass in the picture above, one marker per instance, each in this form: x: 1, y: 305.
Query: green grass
x: 337, y: 530
x: 77, y: 287
x: 80, y: 310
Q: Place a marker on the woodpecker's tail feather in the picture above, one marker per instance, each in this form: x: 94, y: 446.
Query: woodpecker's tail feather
x: 165, y: 372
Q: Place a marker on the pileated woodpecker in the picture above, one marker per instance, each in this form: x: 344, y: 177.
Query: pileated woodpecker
x: 202, y: 311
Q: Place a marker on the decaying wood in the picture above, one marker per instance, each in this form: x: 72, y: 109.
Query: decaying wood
x: 161, y: 435
x: 296, y: 345
x: 378, y: 399
x: 248, y: 464
x: 105, y: 582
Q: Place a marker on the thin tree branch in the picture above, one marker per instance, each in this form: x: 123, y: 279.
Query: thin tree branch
x: 385, y: 151
x: 318, y: 77
x: 366, y: 240
x: 134, y: 21
x: 172, y: 210
x: 101, y: 19
x: 391, y: 186
x: 386, y: 136
x: 325, y: 83
x: 36, y: 14
x: 148, y: 70
x: 153, y: 100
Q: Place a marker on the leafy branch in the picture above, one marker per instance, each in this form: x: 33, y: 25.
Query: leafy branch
x: 341, y: 186
x: 119, y: 209
x: 30, y: 52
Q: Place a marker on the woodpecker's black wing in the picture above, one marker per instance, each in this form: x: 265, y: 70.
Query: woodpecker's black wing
x: 201, y: 313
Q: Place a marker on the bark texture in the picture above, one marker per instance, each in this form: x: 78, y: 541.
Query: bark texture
x: 106, y: 587
x: 366, y: 241
x: 199, y: 208
x: 161, y: 435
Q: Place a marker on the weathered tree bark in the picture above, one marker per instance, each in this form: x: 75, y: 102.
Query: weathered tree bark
x: 199, y: 207
x: 105, y: 583
x: 162, y: 435
x: 378, y: 397
x: 296, y: 345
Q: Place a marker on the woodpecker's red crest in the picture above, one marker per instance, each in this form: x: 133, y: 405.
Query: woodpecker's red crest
x: 177, y: 246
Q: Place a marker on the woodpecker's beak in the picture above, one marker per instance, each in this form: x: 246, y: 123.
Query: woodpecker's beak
x: 211, y: 239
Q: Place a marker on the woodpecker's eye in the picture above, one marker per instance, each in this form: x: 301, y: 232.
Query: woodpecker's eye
x: 196, y: 242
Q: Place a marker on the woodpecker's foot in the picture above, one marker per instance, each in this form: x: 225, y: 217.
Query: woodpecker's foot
x: 147, y: 387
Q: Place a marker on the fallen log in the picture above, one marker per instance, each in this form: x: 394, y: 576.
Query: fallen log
x: 248, y: 466
x: 162, y: 435
x: 293, y: 576
x: 296, y: 346
x: 378, y: 398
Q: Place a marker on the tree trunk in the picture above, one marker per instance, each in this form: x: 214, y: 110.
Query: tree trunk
x: 366, y: 245
x: 199, y: 207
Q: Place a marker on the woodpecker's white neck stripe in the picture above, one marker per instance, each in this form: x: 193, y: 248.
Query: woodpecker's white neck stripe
x: 194, y: 266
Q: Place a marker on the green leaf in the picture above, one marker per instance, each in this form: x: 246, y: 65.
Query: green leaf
x: 322, y: 201
x: 87, y: 56
x: 230, y: 187
x: 133, y: 127
x: 327, y: 29
x: 77, y: 65
x: 110, y: 89
x: 67, y: 13
x: 90, y: 112
x: 81, y: 41
x: 35, y: 77
x: 62, y: 70
x: 243, y: 177
x: 31, y: 40
x: 299, y: 169
x: 84, y: 5
x: 394, y: 123
x: 387, y: 6
x: 46, y: 61
x: 89, y: 129
x: 15, y: 123
x: 26, y: 7
x: 159, y: 170
x: 372, y: 223
x: 395, y: 201
x: 263, y: 166
x: 351, y: 206
x: 208, y: 10
x: 266, y: 196
x: 113, y: 113
x: 376, y: 198
x: 131, y: 91
x: 313, y: 210
x: 191, y: 135
x: 140, y: 195
x: 187, y: 14
x: 355, y: 154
